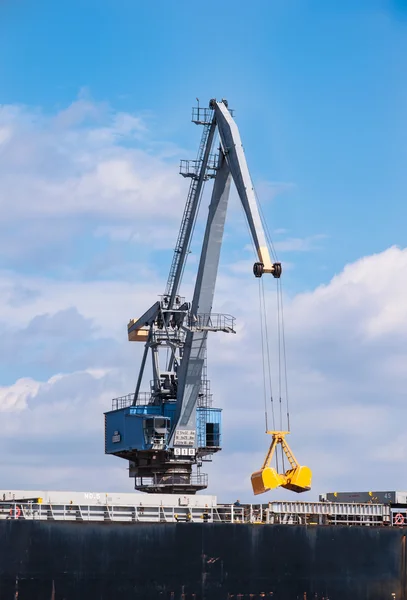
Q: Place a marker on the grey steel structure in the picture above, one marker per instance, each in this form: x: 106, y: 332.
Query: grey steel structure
x: 273, y: 513
x: 386, y: 497
x: 180, y: 427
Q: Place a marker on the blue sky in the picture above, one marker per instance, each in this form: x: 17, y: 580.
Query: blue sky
x: 319, y: 91
x: 95, y: 115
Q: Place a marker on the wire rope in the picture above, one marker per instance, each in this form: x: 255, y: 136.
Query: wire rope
x: 279, y: 285
x: 265, y: 350
x: 279, y: 358
x: 281, y: 343
x: 262, y: 359
x: 281, y: 325
x: 268, y: 352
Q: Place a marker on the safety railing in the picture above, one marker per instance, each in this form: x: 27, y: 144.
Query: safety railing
x: 146, y: 398
x: 143, y: 398
x: 275, y: 513
x: 191, y: 168
x: 202, y: 115
x: 212, y: 322
x: 187, y: 480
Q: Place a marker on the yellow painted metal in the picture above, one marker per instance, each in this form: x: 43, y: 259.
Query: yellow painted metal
x: 140, y: 335
x: 297, y: 479
x: 265, y: 480
x: 264, y: 258
x: 137, y: 335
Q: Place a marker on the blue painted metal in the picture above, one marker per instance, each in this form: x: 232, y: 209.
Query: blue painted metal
x: 209, y: 425
x: 125, y: 428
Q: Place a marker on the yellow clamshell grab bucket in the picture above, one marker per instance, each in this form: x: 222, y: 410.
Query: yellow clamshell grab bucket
x: 297, y: 479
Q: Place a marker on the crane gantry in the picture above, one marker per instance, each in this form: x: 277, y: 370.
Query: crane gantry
x: 173, y: 427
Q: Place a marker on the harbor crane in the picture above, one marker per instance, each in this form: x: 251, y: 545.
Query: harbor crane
x: 171, y: 429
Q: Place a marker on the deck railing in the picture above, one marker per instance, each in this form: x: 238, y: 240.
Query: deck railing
x: 281, y: 513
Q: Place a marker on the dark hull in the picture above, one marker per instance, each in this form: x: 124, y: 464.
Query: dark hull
x: 97, y: 561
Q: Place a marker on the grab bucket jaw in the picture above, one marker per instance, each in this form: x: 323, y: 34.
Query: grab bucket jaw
x: 297, y: 479
x: 265, y: 480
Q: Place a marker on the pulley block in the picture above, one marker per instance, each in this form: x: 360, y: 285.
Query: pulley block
x: 258, y: 269
x: 277, y: 270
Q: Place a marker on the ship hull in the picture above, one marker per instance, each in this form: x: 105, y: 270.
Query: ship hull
x: 109, y: 561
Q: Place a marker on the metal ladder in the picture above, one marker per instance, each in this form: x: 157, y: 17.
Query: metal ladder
x: 191, y: 206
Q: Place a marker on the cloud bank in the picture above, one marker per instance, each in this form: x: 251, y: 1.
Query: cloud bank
x: 81, y: 194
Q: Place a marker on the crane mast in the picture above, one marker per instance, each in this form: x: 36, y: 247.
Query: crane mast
x: 167, y: 432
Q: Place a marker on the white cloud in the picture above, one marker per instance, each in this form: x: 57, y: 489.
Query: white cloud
x: 52, y: 432
x: 5, y: 135
x: 367, y: 296
x: 158, y: 235
x: 91, y: 169
x: 108, y: 304
x: 347, y: 386
x: 85, y: 160
x: 392, y: 451
x: 294, y: 244
x: 14, y: 397
x: 268, y: 190
x: 347, y: 378
x: 299, y: 244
